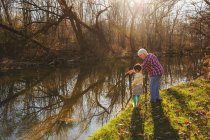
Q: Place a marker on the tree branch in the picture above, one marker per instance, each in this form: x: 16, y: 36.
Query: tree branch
x: 24, y: 36
x: 98, y: 14
x: 207, y: 2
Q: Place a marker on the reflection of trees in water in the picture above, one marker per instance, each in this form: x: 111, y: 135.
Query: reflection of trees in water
x: 179, y: 68
x: 48, y: 103
x: 56, y: 100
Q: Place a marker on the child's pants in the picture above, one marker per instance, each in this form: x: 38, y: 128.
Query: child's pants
x: 137, y: 90
x: 136, y: 100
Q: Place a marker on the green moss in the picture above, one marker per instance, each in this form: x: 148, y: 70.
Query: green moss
x: 183, y: 114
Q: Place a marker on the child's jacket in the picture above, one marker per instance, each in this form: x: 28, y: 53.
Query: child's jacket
x: 138, y: 79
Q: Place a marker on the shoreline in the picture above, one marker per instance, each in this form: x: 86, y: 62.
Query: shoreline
x: 13, y: 64
x: 183, y: 113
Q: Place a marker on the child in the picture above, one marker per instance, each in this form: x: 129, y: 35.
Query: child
x: 137, y: 84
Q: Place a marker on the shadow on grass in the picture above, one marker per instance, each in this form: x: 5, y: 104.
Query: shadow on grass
x: 137, y: 126
x: 179, y: 98
x: 162, y: 127
x: 199, y: 119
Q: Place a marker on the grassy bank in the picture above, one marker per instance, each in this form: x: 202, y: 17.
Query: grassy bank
x: 183, y: 114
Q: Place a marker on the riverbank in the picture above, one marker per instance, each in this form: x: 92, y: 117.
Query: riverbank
x: 183, y: 114
x: 69, y: 59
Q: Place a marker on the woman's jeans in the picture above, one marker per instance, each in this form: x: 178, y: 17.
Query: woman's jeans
x: 154, y: 88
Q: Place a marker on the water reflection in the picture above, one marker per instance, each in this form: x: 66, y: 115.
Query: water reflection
x: 180, y: 69
x: 71, y: 103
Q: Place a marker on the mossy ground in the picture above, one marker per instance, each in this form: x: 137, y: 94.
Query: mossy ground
x: 182, y: 114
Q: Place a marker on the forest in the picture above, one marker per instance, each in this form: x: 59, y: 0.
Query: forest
x: 43, y: 31
x: 63, y: 66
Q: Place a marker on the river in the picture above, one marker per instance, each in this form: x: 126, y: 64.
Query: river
x: 73, y: 101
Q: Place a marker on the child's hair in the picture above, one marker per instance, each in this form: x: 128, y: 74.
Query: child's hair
x: 137, y: 67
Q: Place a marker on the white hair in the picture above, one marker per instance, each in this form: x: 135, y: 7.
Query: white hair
x: 142, y: 51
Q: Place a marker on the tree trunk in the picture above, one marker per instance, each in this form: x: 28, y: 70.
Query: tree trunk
x: 6, y: 11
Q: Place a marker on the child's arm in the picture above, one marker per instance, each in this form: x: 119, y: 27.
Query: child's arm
x: 130, y: 72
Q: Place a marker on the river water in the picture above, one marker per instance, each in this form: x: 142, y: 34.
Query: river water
x: 73, y: 101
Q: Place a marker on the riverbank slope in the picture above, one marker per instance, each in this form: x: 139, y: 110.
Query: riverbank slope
x: 183, y: 113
